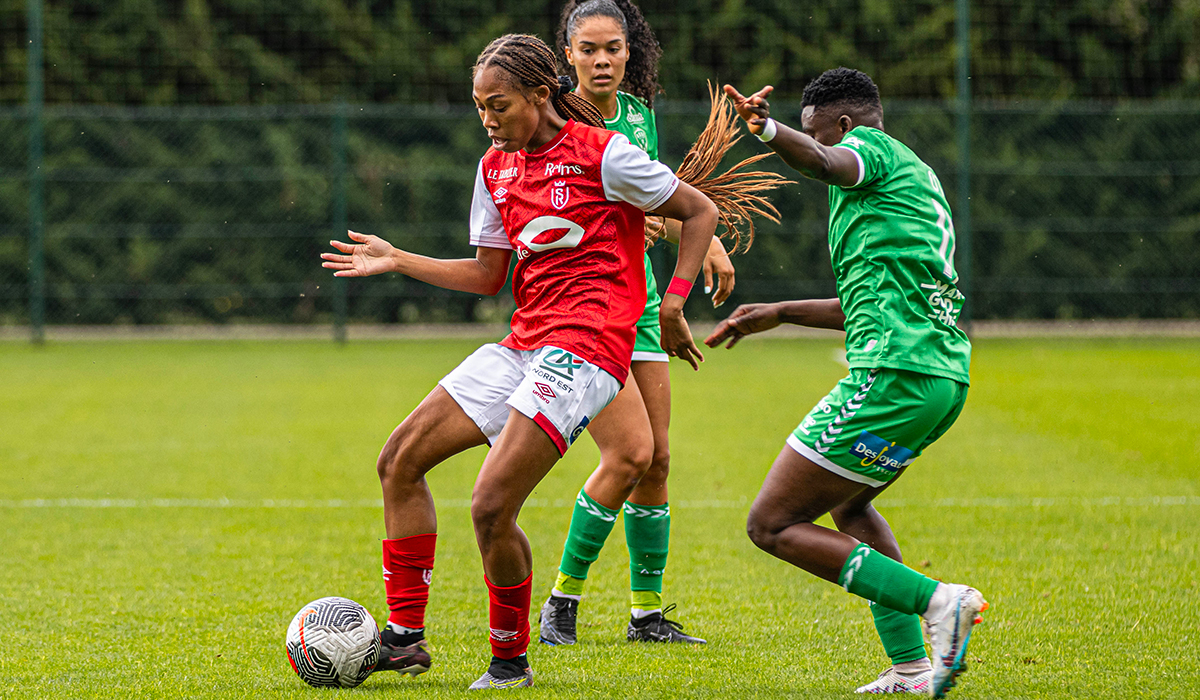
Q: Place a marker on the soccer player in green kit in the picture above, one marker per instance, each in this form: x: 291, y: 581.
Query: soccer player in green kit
x: 608, y: 45
x: 891, y: 242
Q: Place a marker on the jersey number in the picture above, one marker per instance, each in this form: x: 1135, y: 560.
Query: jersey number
x: 549, y: 232
x: 946, y: 250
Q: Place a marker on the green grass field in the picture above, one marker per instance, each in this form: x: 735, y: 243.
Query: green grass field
x: 168, y: 508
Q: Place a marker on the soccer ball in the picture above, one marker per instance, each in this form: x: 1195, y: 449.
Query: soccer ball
x: 333, y: 642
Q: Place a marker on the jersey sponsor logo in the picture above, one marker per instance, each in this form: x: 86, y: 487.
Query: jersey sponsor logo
x: 943, y: 298
x: 562, y: 363
x: 505, y: 174
x: 557, y: 169
x: 549, y: 232
x: 499, y: 195
x: 877, y: 452
x: 560, y: 194
x: 578, y: 431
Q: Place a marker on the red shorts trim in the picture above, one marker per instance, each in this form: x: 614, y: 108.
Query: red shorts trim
x: 545, y: 424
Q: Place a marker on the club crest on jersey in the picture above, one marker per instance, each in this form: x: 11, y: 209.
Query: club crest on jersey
x: 560, y: 194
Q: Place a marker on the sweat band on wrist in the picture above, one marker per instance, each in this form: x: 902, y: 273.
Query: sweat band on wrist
x: 769, y: 131
x: 679, y: 287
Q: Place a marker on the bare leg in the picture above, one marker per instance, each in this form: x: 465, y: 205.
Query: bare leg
x: 654, y: 383
x: 858, y: 518
x: 622, y: 432
x: 435, y: 431
x: 522, y: 455
x: 796, y: 493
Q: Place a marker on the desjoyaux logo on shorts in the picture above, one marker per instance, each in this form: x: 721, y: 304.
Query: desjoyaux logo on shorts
x: 877, y: 452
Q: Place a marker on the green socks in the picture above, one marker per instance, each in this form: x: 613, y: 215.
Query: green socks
x: 900, y: 634
x: 590, y: 525
x: 647, y: 534
x: 871, y: 575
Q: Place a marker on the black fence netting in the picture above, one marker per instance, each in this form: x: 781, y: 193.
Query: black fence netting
x: 190, y: 161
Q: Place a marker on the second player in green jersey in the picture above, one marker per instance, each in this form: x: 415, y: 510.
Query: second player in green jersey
x: 891, y: 243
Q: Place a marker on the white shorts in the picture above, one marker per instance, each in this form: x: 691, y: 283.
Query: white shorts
x: 554, y: 388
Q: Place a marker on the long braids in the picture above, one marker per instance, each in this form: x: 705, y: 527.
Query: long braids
x: 530, y: 63
x: 738, y: 195
x: 641, y: 71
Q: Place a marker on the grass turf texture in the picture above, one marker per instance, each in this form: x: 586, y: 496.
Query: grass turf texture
x: 1043, y: 496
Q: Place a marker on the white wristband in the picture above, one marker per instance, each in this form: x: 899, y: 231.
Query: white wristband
x: 769, y: 131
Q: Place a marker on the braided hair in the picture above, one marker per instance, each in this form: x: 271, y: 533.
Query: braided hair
x: 739, y: 195
x: 641, y: 71
x: 530, y: 64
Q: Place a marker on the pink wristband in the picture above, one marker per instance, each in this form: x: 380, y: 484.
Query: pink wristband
x: 680, y: 287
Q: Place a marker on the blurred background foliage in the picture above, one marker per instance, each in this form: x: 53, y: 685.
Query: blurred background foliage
x: 193, y: 162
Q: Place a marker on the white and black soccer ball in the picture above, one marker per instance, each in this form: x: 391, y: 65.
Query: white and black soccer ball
x: 333, y: 643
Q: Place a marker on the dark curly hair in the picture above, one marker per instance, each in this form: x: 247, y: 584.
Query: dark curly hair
x: 641, y: 72
x: 843, y: 86
x: 530, y: 64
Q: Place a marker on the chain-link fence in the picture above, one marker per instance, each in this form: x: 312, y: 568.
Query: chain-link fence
x: 160, y: 210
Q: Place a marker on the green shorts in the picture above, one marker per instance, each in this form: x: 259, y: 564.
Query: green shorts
x: 877, y: 421
x: 647, y: 346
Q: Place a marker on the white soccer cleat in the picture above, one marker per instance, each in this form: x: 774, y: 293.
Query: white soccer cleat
x: 953, y: 611
x: 892, y: 681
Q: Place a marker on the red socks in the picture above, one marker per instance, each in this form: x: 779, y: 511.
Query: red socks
x: 407, y: 571
x: 508, y: 617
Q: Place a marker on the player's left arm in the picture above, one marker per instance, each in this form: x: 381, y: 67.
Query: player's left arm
x: 698, y: 217
x: 831, y: 165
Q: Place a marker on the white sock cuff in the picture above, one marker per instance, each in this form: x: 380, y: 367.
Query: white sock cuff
x: 639, y: 614
x: 559, y: 594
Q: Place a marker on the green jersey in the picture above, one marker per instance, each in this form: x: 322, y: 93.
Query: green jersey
x: 636, y: 121
x: 891, y: 241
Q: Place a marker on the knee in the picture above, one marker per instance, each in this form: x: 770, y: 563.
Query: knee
x: 398, y: 460
x: 629, y: 465
x: 660, y: 467
x: 488, y: 512
x: 761, y: 531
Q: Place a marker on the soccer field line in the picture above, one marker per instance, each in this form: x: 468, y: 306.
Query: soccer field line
x: 740, y: 503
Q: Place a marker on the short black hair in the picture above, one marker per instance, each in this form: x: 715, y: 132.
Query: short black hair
x: 843, y: 86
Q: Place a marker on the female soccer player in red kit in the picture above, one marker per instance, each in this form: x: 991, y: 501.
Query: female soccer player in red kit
x: 567, y: 198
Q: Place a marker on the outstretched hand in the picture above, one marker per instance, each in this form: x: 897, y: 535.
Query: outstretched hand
x: 745, y: 319
x: 755, y: 109
x: 372, y: 256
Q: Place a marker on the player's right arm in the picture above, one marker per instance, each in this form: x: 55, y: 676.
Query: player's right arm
x: 756, y: 318
x: 371, y: 255
x: 831, y: 165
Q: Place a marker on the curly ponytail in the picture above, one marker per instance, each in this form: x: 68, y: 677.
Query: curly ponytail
x: 530, y: 64
x: 641, y: 71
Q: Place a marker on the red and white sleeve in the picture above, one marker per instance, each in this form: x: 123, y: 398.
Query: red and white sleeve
x: 629, y: 175
x: 487, y: 228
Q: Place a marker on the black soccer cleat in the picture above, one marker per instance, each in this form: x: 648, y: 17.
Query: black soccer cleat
x: 657, y: 628
x: 412, y: 659
x: 556, y: 622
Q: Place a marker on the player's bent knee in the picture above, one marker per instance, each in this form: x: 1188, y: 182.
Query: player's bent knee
x: 660, y: 468
x: 488, y: 510
x: 761, y: 532
x: 399, y: 458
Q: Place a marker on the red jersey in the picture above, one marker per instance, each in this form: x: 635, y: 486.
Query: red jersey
x: 573, y: 212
